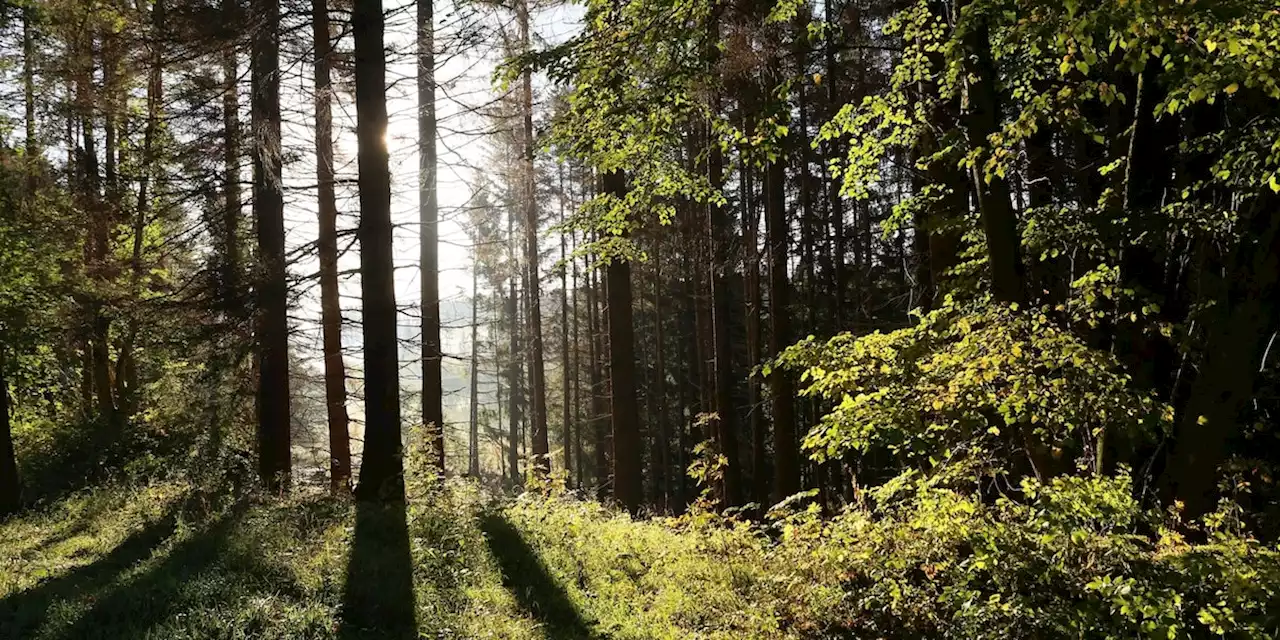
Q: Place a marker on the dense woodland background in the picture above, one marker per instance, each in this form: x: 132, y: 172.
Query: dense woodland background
x: 840, y: 257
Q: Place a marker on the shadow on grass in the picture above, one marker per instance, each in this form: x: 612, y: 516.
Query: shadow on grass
x: 379, y: 599
x: 135, y: 606
x: 524, y: 574
x: 22, y: 614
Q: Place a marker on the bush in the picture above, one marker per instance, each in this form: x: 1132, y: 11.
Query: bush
x: 1071, y: 558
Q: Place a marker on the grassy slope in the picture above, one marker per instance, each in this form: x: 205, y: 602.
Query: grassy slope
x: 128, y: 562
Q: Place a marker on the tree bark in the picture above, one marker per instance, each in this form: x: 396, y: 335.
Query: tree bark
x: 663, y: 436
x: 754, y: 311
x: 382, y: 466
x: 32, y: 142
x: 1232, y: 360
x: 537, y: 372
x: 274, y: 455
x: 786, y: 477
x: 97, y: 241
x: 428, y: 212
x: 335, y: 371
x: 999, y: 221
x: 229, y: 276
x: 565, y: 417
x: 628, y: 488
x: 598, y: 384
x: 513, y: 384
x: 10, y: 488
x: 577, y: 472
x: 473, y: 440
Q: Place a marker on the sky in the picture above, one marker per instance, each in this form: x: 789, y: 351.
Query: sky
x: 465, y: 75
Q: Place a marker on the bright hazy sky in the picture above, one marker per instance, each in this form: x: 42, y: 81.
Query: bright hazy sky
x: 466, y: 82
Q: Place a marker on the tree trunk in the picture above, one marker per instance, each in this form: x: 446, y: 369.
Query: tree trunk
x: 754, y: 311
x: 229, y: 276
x: 513, y: 384
x: 428, y: 212
x: 97, y: 242
x: 627, y: 483
x: 833, y: 154
x: 598, y: 386
x: 662, y: 445
x: 936, y: 243
x: 565, y: 416
x: 32, y: 142
x: 786, y: 477
x: 999, y: 221
x: 577, y: 473
x: 529, y: 194
x: 1232, y: 360
x: 473, y: 439
x: 268, y: 204
x: 382, y: 466
x: 10, y: 489
x: 335, y: 371
x: 718, y: 238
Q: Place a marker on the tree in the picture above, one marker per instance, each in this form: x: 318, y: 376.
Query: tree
x: 335, y: 371
x: 382, y: 466
x: 10, y: 489
x: 473, y: 439
x: 428, y: 211
x: 628, y: 487
x: 274, y: 454
x: 528, y: 194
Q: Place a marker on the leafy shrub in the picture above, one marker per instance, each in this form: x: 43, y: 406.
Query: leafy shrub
x: 1066, y: 559
x: 989, y: 387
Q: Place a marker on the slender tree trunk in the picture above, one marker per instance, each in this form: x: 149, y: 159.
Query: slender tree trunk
x: 936, y: 243
x: 473, y: 440
x: 718, y: 232
x: 335, y: 372
x: 32, y: 141
x: 565, y: 417
x: 513, y: 384
x: 229, y: 276
x: 594, y: 322
x: 428, y: 212
x: 999, y: 221
x: 98, y: 239
x: 126, y: 367
x: 10, y: 489
x: 754, y: 311
x: 382, y: 466
x: 628, y: 488
x: 786, y: 477
x: 662, y: 446
x: 577, y: 376
x: 833, y: 152
x: 537, y: 372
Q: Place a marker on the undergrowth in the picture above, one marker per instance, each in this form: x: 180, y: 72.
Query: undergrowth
x: 1076, y: 558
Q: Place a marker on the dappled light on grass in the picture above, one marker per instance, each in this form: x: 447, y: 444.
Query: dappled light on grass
x: 134, y: 562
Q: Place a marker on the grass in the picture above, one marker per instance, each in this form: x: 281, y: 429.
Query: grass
x: 137, y: 561
x: 134, y: 562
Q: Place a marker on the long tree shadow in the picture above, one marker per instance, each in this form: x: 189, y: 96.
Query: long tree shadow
x: 22, y: 614
x: 379, y: 599
x: 524, y: 574
x: 136, y: 605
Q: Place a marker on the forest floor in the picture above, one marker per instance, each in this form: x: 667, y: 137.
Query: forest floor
x: 133, y: 562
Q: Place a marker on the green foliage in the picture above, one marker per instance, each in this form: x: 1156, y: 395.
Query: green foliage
x: 986, y: 386
x: 1067, y: 559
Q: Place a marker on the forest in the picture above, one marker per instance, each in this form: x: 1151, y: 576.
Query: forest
x: 639, y: 319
